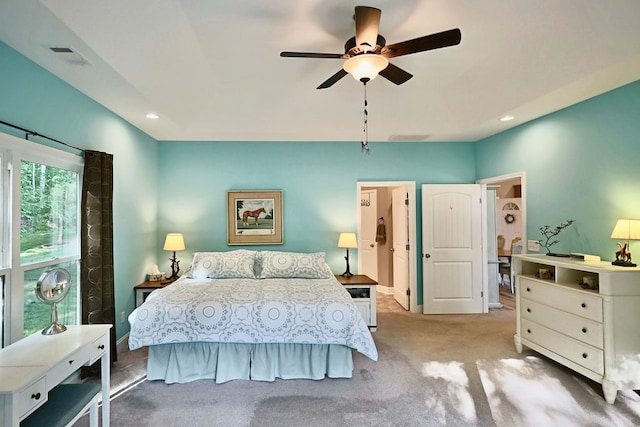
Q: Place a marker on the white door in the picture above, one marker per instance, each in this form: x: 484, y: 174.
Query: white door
x: 368, y: 249
x: 400, y: 212
x: 452, y: 227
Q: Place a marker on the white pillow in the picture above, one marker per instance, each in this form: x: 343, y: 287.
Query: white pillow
x: 223, y: 265
x: 276, y: 264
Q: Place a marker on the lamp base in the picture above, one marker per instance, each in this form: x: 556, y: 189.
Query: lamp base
x: 53, y: 329
x: 347, y: 273
x: 620, y: 263
x: 175, y: 269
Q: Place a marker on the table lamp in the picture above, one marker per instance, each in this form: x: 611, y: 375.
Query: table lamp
x: 625, y: 229
x: 174, y: 242
x: 347, y: 240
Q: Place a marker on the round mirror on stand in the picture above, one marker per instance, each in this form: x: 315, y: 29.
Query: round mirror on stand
x: 52, y: 287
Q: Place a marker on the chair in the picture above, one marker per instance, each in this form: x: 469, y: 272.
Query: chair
x: 517, y: 247
x: 504, y: 271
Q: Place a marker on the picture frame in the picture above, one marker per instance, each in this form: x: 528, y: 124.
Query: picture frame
x: 254, y: 217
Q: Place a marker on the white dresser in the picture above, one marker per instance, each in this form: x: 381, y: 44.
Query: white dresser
x: 595, y: 332
x: 33, y: 366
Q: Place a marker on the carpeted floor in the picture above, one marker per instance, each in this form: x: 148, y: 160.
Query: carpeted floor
x: 454, y: 370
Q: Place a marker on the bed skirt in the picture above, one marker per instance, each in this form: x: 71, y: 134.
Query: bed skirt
x: 186, y: 362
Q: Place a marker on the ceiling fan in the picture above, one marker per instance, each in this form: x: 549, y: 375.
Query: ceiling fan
x: 367, y: 54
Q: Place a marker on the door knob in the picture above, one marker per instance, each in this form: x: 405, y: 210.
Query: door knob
x: 427, y: 255
x: 392, y: 249
x: 372, y: 245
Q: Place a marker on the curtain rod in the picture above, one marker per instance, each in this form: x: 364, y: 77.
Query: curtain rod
x: 32, y: 133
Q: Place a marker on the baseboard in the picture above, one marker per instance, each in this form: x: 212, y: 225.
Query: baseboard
x: 123, y: 343
x: 385, y: 290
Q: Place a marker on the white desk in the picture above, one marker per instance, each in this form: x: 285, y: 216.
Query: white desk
x: 36, y: 364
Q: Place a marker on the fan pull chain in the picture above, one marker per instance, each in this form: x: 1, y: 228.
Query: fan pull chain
x: 365, y: 127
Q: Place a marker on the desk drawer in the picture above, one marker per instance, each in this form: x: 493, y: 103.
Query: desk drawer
x: 69, y: 365
x: 98, y: 348
x: 583, y: 354
x: 569, y: 300
x: 32, y: 397
x: 577, y: 327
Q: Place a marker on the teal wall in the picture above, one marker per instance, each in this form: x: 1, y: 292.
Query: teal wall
x: 32, y: 98
x: 580, y: 163
x: 318, y: 180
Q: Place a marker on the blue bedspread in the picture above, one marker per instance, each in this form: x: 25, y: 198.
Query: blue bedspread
x: 304, y: 311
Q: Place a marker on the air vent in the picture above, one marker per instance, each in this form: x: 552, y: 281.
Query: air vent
x: 408, y: 137
x: 68, y: 55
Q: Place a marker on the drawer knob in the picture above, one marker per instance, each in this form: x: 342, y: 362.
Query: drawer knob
x: 528, y: 331
x: 36, y: 396
x: 528, y: 289
x: 584, y: 330
x: 528, y: 310
x: 583, y: 305
x: 71, y: 362
x: 101, y: 347
x: 584, y: 355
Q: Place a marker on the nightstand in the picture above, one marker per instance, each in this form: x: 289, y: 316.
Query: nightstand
x: 363, y: 291
x: 145, y: 288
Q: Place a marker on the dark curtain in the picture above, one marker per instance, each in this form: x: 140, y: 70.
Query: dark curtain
x: 96, y: 245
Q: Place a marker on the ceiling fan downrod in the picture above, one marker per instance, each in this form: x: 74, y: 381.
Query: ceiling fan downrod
x: 365, y: 115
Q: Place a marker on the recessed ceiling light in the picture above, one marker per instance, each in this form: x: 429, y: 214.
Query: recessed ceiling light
x: 506, y: 118
x: 152, y: 116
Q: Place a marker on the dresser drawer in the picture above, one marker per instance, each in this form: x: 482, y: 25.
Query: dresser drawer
x: 32, y: 397
x: 569, y: 300
x: 578, y: 352
x: 577, y: 327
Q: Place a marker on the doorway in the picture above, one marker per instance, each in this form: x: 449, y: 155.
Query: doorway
x: 511, y: 212
x: 511, y: 223
x: 387, y: 238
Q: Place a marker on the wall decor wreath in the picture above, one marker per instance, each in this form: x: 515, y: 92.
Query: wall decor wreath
x: 509, y: 218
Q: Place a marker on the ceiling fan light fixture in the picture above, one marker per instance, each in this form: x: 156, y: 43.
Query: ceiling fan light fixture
x: 365, y: 67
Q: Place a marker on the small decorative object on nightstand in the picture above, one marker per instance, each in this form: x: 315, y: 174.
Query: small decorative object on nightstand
x: 347, y: 240
x: 363, y: 291
x: 174, y: 242
x: 625, y: 229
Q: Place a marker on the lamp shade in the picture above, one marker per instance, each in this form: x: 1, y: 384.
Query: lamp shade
x: 174, y: 242
x: 627, y: 229
x: 365, y: 66
x: 347, y: 240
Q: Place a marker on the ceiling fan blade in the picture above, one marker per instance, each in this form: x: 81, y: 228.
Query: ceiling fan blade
x: 331, y: 80
x: 367, y: 25
x: 432, y: 41
x: 395, y: 74
x: 311, y: 55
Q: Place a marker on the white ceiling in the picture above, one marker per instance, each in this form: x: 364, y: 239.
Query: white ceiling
x: 211, y: 69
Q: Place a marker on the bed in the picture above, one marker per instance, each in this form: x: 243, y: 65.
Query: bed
x: 256, y: 315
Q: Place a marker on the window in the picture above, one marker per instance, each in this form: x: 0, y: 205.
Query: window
x: 41, y: 198
x: 48, y: 233
x: 48, y: 212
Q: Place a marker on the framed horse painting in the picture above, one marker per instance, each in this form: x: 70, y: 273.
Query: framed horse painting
x: 254, y: 217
